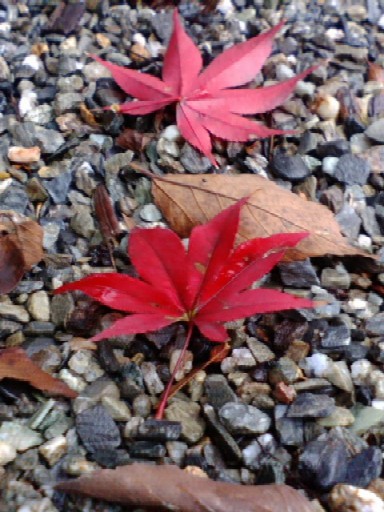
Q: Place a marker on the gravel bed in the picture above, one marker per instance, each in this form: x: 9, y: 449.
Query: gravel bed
x: 300, y: 397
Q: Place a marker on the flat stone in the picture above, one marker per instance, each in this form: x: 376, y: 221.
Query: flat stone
x: 13, y: 312
x: 352, y: 170
x: 218, y: 391
x: 299, y: 274
x: 375, y: 325
x: 222, y: 437
x: 291, y: 167
x: 160, y: 430
x: 97, y: 429
x: 241, y: 418
x: 19, y: 436
x: 335, y: 278
x: 364, y: 467
x: 309, y: 405
x: 187, y: 413
x: 23, y: 155
x: 375, y: 131
x: 260, y: 351
x: 340, y: 417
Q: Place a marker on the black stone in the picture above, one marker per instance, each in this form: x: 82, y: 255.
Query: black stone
x: 352, y: 170
x: 147, y: 450
x: 97, y: 430
x: 291, y: 167
x: 333, y: 148
x: 160, y: 430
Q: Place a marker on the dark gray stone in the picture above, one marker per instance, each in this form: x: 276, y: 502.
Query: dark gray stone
x: 160, y: 430
x: 352, y: 170
x: 218, y: 391
x: 97, y: 429
x: 291, y: 167
x: 337, y: 148
x: 147, y: 450
x: 299, y: 274
x: 222, y: 437
x: 323, y: 462
x: 364, y: 467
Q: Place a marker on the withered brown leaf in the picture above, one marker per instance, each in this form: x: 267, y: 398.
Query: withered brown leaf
x: 188, y: 200
x: 21, y: 247
x: 162, y: 488
x: 15, y: 364
x: 109, y: 225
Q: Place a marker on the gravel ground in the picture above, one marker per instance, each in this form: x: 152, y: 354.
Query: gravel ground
x: 300, y: 398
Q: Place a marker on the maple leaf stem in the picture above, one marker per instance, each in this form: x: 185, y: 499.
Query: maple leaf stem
x: 167, y: 391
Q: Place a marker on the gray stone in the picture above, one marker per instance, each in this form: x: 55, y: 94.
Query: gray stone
x: 375, y: 130
x: 352, y: 169
x: 223, y: 438
x: 82, y: 222
x: 193, y: 161
x: 309, y: 405
x: 290, y: 167
x: 241, y: 418
x: 299, y: 274
x: 375, y: 325
x: 67, y: 102
x: 335, y: 278
x: 13, y: 312
x: 19, y: 436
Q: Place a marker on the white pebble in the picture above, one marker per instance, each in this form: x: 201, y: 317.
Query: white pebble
x: 7, y: 453
x: 360, y: 370
x: 317, y: 364
x: 32, y: 61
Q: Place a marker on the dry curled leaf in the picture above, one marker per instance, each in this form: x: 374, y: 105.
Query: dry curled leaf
x: 109, y: 225
x: 187, y: 201
x: 163, y: 488
x: 15, y: 364
x: 20, y: 247
x: 133, y: 140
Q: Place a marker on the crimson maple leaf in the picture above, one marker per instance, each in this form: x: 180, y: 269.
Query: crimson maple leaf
x: 206, y: 102
x: 204, y: 286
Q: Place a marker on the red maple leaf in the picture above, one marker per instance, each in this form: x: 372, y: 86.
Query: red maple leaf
x: 204, y: 286
x: 206, y: 102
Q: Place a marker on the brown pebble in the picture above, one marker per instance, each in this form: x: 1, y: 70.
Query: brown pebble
x: 139, y: 53
x: 23, y: 155
x: 284, y: 393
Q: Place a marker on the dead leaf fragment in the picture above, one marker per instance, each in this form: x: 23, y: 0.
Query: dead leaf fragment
x: 163, y: 488
x: 186, y: 201
x: 109, y: 225
x: 15, y: 364
x: 21, y: 247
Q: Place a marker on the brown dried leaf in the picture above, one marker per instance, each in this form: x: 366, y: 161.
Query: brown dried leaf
x: 188, y: 200
x: 109, y: 225
x: 163, y: 488
x: 20, y: 247
x: 133, y: 140
x: 15, y: 364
